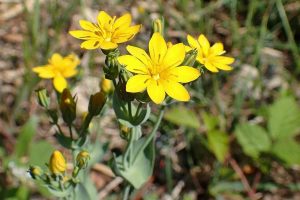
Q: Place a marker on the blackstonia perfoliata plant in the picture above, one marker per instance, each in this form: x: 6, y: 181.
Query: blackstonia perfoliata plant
x: 142, y: 79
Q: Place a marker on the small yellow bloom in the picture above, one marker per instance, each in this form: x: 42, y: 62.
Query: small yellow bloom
x: 210, y: 56
x: 107, y: 33
x: 159, y: 73
x: 106, y: 85
x: 82, y: 159
x: 58, y: 69
x: 57, y: 163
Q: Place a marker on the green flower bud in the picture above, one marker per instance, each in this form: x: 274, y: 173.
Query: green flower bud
x: 125, y: 131
x: 43, y: 97
x: 82, y: 159
x: 111, y: 68
x: 190, y: 57
x: 67, y: 106
x: 96, y: 103
x: 35, y: 172
x: 158, y: 26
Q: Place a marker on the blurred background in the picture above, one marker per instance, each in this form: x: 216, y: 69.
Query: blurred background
x: 238, y: 136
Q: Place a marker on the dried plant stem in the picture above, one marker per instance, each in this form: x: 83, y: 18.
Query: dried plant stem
x: 243, y: 178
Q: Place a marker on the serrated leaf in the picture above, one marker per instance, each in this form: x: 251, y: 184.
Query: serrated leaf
x: 284, y: 118
x: 25, y: 136
x: 253, y: 139
x: 288, y: 150
x: 219, y: 144
x: 182, y: 116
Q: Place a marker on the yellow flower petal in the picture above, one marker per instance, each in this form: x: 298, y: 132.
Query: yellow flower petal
x: 123, y: 22
x: 187, y: 48
x: 157, y: 48
x: 133, y: 64
x: 137, y: 83
x: 84, y: 35
x: 59, y: 83
x: 44, y: 71
x: 176, y: 90
x: 86, y: 25
x: 56, y: 59
x: 223, y: 59
x: 139, y: 54
x: 124, y: 35
x: 90, y: 44
x: 193, y: 42
x: 174, y: 56
x: 103, y: 18
x: 223, y: 66
x: 69, y: 73
x: 210, y: 67
x: 186, y: 74
x: 108, y: 45
x: 204, y: 43
x: 217, y: 49
x: 155, y: 91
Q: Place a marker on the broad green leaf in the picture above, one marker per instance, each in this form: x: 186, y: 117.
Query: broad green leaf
x: 219, y: 144
x: 81, y: 193
x: 253, y: 139
x: 226, y: 186
x: 284, y: 118
x: 25, y: 136
x: 140, y: 171
x: 40, y: 153
x: 288, y: 150
x: 211, y: 122
x: 183, y: 116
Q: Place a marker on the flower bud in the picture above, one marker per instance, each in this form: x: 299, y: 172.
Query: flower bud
x: 43, y: 97
x: 158, y: 26
x: 190, y: 57
x: 125, y: 131
x: 106, y: 85
x: 96, y: 103
x: 111, y: 68
x: 35, y: 172
x: 82, y: 159
x: 57, y: 163
x: 67, y: 106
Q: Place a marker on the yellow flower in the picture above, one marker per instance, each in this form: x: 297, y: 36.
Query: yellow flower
x: 58, y: 69
x: 82, y: 159
x: 107, y: 33
x: 210, y: 56
x: 57, y: 163
x: 159, y: 73
x: 106, y: 85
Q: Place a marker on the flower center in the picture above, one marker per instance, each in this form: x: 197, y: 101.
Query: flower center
x: 155, y: 76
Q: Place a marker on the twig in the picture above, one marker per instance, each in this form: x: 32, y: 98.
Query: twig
x: 178, y: 188
x: 112, y: 185
x: 243, y: 178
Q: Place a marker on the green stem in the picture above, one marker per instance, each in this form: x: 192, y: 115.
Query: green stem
x: 128, y: 150
x: 70, y: 130
x: 151, y: 135
x: 127, y: 192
